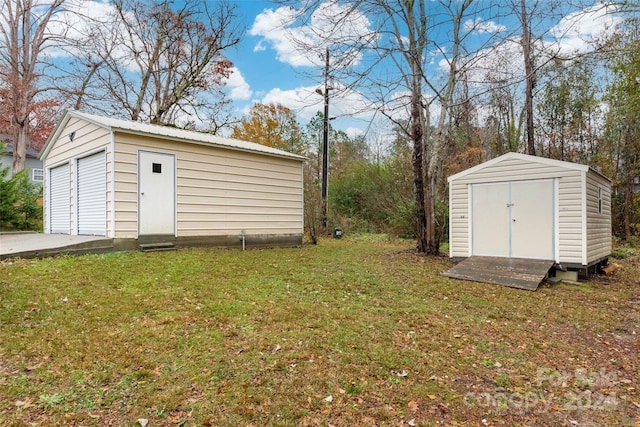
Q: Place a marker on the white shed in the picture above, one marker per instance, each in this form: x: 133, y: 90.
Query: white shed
x: 128, y: 181
x: 521, y: 206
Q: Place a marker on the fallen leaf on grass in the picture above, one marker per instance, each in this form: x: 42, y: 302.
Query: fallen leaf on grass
x: 413, y: 406
x: 22, y: 403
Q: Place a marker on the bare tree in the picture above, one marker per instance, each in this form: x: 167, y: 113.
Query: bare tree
x: 163, y: 64
x: 24, y: 35
x: 396, y: 78
x: 530, y: 76
x: 431, y: 97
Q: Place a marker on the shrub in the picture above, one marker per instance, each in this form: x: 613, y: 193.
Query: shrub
x: 8, y: 197
x: 19, y: 207
x: 373, y: 198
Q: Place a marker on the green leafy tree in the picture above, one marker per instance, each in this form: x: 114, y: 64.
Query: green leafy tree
x: 28, y: 210
x: 19, y: 207
x: 622, y: 136
x: 569, y: 112
x: 8, y: 197
x: 273, y: 125
x: 374, y: 197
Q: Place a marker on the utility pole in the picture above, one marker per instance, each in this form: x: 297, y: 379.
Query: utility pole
x: 325, y: 143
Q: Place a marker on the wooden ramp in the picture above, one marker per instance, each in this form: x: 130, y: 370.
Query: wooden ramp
x: 514, y: 272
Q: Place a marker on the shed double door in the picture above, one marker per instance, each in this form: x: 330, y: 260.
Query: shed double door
x: 513, y: 219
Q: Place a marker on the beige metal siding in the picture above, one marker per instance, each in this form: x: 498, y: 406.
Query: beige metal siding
x: 459, y: 220
x: 219, y: 192
x: 598, y: 223
x: 88, y: 139
x: 569, y: 209
x: 570, y: 216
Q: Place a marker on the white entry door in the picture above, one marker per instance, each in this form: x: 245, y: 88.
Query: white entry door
x: 92, y: 195
x: 59, y: 200
x: 156, y: 193
x: 513, y: 219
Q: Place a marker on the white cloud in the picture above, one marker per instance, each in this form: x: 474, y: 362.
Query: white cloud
x: 575, y: 31
x: 239, y: 89
x: 76, y: 22
x: 85, y: 22
x: 353, y: 132
x: 481, y: 26
x: 259, y: 47
x: 272, y: 26
x: 302, y: 100
x: 303, y: 44
x: 500, y: 62
x: 305, y: 102
x: 503, y: 61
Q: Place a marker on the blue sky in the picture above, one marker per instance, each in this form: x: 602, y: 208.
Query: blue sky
x: 270, y: 69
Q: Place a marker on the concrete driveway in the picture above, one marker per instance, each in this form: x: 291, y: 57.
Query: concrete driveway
x: 32, y: 245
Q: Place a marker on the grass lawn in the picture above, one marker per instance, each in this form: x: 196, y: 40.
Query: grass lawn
x: 346, y: 333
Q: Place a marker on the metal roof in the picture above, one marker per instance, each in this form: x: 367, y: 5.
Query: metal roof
x: 165, y: 132
x: 528, y: 158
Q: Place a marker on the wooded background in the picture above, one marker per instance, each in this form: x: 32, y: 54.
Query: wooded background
x: 160, y: 62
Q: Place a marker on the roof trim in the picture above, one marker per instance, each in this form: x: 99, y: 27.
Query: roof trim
x: 524, y: 157
x: 171, y: 134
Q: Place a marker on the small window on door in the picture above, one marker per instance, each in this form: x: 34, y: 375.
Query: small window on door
x: 157, y: 167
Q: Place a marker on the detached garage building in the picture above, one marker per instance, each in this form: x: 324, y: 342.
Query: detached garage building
x: 133, y: 182
x: 520, y: 206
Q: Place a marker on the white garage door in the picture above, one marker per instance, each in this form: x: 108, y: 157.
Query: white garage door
x: 59, y: 200
x: 92, y: 195
x: 513, y: 219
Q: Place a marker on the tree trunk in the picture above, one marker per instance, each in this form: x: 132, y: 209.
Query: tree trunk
x: 628, y: 202
x: 418, y: 170
x: 20, y: 140
x: 530, y: 77
x: 432, y: 241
